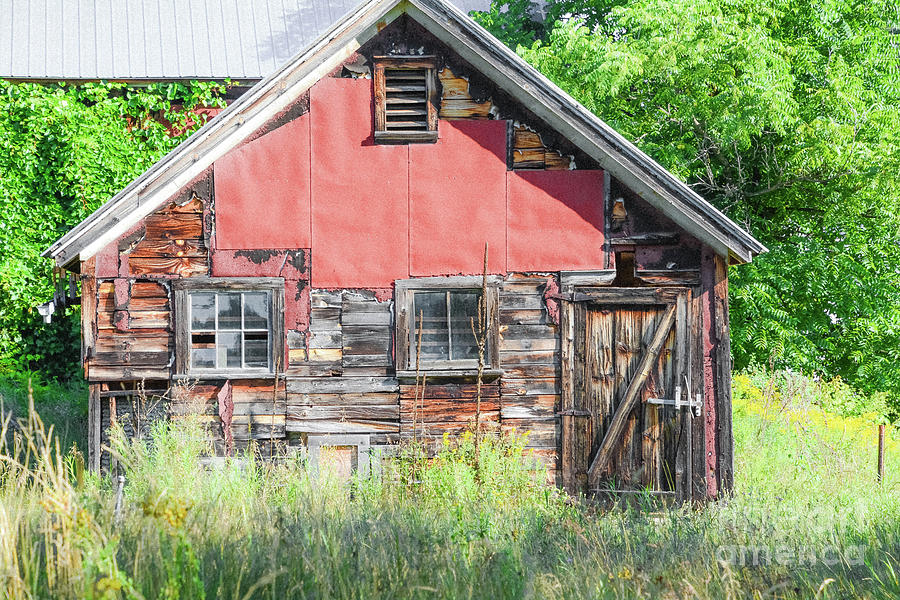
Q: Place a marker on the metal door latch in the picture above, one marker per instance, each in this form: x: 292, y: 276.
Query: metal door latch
x: 694, y: 404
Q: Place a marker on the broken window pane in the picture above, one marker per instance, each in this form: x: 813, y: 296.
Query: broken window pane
x: 256, y: 311
x: 430, y: 314
x: 203, y: 350
x: 256, y: 350
x: 203, y: 312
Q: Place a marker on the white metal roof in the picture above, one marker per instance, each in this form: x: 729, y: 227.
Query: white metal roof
x: 162, y: 39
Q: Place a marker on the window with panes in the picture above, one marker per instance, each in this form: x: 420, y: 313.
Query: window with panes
x: 230, y: 330
x: 228, y: 325
x: 445, y: 319
x: 439, y: 324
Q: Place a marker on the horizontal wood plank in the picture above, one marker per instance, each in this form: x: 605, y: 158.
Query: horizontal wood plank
x: 529, y: 407
x: 340, y: 426
x: 183, y: 267
x: 450, y: 390
x: 529, y: 387
x: 388, y: 412
x: 345, y: 399
x: 341, y: 385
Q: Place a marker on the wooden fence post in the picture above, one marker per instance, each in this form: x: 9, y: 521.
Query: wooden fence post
x: 880, y: 453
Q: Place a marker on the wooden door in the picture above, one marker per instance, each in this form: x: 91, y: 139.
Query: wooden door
x: 626, y: 360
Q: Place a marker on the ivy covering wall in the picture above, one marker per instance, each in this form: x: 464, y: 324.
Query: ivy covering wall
x: 64, y: 151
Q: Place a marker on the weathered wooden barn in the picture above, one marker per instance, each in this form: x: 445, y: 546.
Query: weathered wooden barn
x: 276, y: 268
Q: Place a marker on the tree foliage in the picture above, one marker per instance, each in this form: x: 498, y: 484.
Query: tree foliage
x: 64, y: 150
x: 517, y: 22
x: 785, y: 115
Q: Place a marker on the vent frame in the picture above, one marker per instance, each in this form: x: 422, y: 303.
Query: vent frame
x: 392, y: 105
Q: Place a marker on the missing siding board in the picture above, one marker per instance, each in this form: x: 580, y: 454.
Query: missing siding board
x: 457, y: 101
x: 529, y: 151
x: 406, y: 99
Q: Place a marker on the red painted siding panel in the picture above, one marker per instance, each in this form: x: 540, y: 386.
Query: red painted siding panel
x: 107, y: 262
x: 555, y: 220
x: 262, y: 191
x: 457, y: 199
x: 360, y: 213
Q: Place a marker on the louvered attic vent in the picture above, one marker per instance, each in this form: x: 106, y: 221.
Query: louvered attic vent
x: 405, y: 99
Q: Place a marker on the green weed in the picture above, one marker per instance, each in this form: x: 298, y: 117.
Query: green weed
x: 806, y: 520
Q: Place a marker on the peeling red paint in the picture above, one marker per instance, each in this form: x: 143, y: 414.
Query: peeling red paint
x: 296, y: 305
x: 383, y: 294
x: 290, y: 264
x: 107, y: 261
x: 226, y: 412
x: 122, y: 320
x: 555, y: 220
x: 550, y: 290
x: 124, y: 267
x: 122, y: 292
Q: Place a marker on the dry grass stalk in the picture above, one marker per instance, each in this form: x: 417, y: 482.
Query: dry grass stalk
x: 416, y: 398
x: 481, y: 337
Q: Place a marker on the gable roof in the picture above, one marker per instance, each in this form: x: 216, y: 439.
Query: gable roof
x: 508, y: 71
x: 152, y: 40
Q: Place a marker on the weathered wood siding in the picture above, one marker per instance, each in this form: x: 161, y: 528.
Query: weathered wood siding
x: 529, y: 358
x: 131, y: 336
x: 339, y: 376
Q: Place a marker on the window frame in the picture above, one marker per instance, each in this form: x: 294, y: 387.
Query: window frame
x: 404, y: 350
x: 183, y: 288
x: 382, y: 134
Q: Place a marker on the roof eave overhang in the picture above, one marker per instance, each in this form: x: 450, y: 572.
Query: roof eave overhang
x: 510, y: 72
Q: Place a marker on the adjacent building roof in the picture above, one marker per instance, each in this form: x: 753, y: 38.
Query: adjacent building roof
x: 147, y: 40
x: 508, y: 71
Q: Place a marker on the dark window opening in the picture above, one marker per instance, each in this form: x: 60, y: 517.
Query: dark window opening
x: 445, y: 320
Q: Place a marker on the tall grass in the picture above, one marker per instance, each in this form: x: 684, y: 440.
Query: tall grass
x: 61, y: 405
x: 806, y: 520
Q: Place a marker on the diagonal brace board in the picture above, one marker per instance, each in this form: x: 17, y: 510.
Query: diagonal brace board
x: 617, y: 425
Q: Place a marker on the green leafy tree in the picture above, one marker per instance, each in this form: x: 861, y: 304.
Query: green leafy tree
x: 786, y: 116
x: 516, y: 22
x: 64, y: 150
